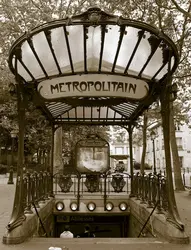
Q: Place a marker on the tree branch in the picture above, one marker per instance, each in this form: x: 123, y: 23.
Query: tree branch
x: 186, y: 13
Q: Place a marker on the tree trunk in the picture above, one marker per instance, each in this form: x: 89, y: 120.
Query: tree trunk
x: 58, y: 166
x: 173, y: 215
x: 174, y: 150
x: 145, y: 119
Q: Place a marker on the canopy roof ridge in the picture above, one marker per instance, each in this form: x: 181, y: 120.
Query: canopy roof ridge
x: 94, y: 59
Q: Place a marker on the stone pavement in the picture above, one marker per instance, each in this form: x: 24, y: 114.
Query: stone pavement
x: 7, y: 198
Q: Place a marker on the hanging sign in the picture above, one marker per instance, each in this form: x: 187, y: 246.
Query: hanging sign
x: 93, y: 85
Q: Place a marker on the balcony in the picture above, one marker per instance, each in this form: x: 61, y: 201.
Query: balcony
x: 180, y: 147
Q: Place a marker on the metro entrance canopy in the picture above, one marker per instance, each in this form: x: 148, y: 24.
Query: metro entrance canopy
x: 94, y: 68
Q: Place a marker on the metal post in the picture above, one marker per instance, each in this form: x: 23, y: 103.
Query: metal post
x: 10, y: 180
x: 18, y: 216
x: 130, y: 131
x: 52, y: 161
x: 154, y: 158
x: 173, y: 215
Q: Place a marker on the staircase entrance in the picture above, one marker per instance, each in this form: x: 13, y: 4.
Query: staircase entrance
x: 112, y: 226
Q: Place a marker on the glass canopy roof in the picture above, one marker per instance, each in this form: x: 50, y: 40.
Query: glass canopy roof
x: 93, y: 68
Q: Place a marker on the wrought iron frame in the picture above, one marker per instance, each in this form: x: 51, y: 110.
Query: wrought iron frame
x: 129, y: 110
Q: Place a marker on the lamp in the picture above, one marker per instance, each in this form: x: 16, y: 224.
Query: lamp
x: 123, y: 206
x: 109, y: 206
x: 91, y: 206
x: 13, y: 136
x: 74, y: 206
x: 59, y: 205
x: 153, y: 135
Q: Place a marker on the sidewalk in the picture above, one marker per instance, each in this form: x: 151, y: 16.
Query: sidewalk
x: 183, y: 201
x: 7, y: 197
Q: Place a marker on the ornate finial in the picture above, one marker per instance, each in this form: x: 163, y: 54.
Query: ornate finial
x: 94, y: 14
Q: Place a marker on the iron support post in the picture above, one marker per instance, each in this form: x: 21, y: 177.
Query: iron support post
x: 52, y: 162
x: 130, y: 131
x: 173, y: 215
x: 18, y: 216
x: 154, y: 157
x: 10, y: 180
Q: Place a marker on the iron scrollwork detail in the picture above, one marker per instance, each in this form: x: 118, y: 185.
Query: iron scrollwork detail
x: 92, y: 183
x: 118, y: 182
x: 65, y: 182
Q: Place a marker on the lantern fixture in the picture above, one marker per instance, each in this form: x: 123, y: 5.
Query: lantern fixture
x: 59, y: 205
x: 109, y: 206
x: 74, y: 206
x: 123, y: 206
x: 91, y: 206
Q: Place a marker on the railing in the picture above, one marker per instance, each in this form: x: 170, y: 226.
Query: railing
x: 82, y: 185
x: 37, y: 188
x: 149, y: 189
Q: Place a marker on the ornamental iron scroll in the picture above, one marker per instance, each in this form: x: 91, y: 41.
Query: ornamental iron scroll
x: 118, y: 182
x: 65, y: 183
x: 92, y: 183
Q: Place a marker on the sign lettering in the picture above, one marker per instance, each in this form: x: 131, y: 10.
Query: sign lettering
x: 93, y: 85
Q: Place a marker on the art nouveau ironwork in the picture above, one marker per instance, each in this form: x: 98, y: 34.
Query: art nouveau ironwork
x: 114, y: 72
x: 117, y: 68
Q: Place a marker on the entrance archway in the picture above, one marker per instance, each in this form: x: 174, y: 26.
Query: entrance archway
x: 93, y: 69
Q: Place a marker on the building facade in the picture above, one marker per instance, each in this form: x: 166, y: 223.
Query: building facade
x: 183, y: 139
x: 119, y: 150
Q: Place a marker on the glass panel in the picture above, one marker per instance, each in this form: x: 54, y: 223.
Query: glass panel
x: 30, y: 61
x: 13, y: 61
x: 162, y: 72
x: 23, y: 72
x: 172, y: 61
x: 127, y: 46
x: 72, y: 114
x: 110, y: 114
x: 93, y: 48
x: 44, y: 53
x: 154, y: 64
x: 141, y: 55
x: 87, y: 112
x: 103, y: 112
x: 76, y: 41
x: 60, y: 49
x: 95, y: 112
x: 80, y: 112
x: 110, y: 46
x: 117, y: 115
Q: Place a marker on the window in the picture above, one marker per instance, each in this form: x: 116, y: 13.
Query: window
x: 119, y: 150
x: 181, y: 161
x: 179, y: 143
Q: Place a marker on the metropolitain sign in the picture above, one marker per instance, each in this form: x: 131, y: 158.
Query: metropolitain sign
x: 93, y: 85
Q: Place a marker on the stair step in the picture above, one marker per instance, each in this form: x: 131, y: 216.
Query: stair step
x: 93, y: 244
